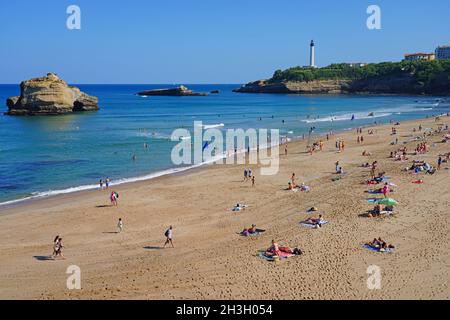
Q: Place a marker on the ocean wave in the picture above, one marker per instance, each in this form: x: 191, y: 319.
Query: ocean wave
x: 212, y: 126
x: 347, y: 117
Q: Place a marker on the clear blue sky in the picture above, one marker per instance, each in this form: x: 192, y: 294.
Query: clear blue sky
x: 206, y: 41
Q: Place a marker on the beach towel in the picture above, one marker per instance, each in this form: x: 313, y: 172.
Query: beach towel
x: 418, y: 182
x: 310, y: 225
x: 388, y: 250
x: 240, y: 208
x: 255, y: 234
x: 392, y: 184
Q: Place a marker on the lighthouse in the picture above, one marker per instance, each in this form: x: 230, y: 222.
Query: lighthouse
x: 312, y: 53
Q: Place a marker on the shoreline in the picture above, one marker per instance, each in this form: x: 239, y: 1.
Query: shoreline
x: 174, y: 171
x: 210, y: 261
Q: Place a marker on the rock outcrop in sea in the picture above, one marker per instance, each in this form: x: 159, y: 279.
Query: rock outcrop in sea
x: 177, y: 92
x: 49, y: 95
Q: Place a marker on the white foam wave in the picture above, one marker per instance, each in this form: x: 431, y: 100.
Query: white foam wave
x: 212, y: 126
x: 347, y: 117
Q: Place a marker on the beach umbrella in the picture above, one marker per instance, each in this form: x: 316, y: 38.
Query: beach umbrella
x: 388, y: 202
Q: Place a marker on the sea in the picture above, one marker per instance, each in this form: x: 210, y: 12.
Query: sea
x: 129, y: 138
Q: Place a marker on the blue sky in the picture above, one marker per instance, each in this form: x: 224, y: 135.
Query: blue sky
x: 206, y: 41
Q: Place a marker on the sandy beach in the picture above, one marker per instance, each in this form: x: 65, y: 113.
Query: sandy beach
x: 211, y: 261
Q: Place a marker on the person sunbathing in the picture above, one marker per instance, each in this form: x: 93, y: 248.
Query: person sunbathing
x: 273, y: 250
x: 239, y: 207
x: 292, y: 186
x: 377, y: 209
x: 314, y: 221
x: 276, y: 250
x: 252, y: 230
x: 380, y: 244
x: 304, y: 187
x: 380, y: 177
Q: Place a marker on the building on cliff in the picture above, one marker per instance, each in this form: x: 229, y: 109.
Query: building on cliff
x: 420, y: 56
x: 443, y: 52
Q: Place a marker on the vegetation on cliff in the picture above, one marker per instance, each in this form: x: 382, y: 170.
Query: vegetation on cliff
x: 424, y: 73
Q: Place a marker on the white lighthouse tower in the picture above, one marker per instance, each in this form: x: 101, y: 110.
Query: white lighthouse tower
x: 312, y: 55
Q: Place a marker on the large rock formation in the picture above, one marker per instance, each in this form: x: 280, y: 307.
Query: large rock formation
x: 178, y: 92
x: 49, y: 95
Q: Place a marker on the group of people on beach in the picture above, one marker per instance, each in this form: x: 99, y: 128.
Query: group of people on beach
x: 275, y: 250
x: 248, y: 176
x: 340, y: 145
x: 104, y: 184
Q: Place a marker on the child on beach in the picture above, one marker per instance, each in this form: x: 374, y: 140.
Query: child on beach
x: 120, y: 225
x: 253, y: 181
x: 168, y: 234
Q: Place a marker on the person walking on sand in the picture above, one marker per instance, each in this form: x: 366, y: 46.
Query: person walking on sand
x: 253, y: 181
x: 58, y: 248
x: 120, y: 225
x: 439, y: 162
x: 55, y: 246
x: 285, y: 150
x: 101, y: 184
x: 114, y: 196
x: 245, y: 175
x: 385, y: 190
x: 168, y: 234
x: 107, y: 183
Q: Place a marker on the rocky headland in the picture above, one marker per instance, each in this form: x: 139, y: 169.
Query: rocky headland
x: 411, y: 78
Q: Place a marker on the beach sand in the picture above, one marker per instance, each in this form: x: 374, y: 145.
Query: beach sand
x: 210, y: 261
